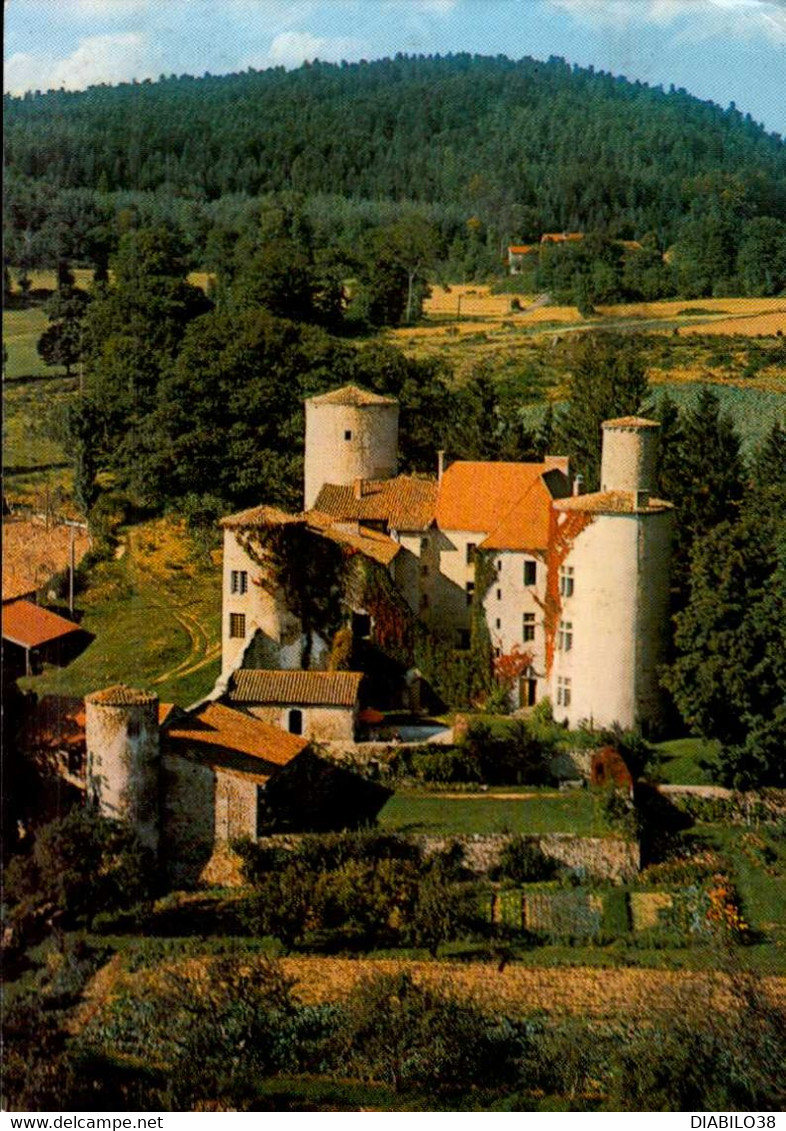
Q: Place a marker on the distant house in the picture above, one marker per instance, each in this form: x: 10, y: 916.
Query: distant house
x: 517, y: 254
x: 561, y: 237
x: 320, y: 705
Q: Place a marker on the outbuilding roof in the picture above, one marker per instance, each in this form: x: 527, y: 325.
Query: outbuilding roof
x: 224, y: 731
x: 30, y: 626
x: 352, y: 395
x: 120, y: 695
x: 302, y: 688
x: 263, y: 516
x: 404, y: 503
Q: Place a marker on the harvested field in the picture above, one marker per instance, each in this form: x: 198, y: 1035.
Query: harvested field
x: 516, y: 990
x: 768, y: 324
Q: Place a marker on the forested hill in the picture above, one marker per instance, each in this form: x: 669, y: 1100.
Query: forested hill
x: 564, y: 147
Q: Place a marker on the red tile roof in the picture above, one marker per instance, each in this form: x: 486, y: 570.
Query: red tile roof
x: 520, y: 249
x: 509, y: 502
x: 30, y: 626
x: 373, y: 543
x: 612, y: 502
x: 263, y: 516
x: 404, y: 503
x: 352, y: 395
x: 221, y: 730
x: 316, y: 689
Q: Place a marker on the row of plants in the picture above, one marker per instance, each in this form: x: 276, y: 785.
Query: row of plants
x: 227, y: 1035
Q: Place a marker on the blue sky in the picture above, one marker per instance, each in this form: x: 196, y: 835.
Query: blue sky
x: 724, y: 50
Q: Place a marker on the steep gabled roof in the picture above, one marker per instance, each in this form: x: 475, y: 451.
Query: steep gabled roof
x: 373, y: 543
x: 224, y: 732
x: 300, y: 688
x: 30, y: 626
x: 508, y: 502
x: 352, y: 395
x: 404, y: 503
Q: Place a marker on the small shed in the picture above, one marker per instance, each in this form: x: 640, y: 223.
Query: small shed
x: 33, y: 635
x: 320, y: 706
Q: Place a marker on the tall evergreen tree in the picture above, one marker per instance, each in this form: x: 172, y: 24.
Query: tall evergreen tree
x: 607, y: 380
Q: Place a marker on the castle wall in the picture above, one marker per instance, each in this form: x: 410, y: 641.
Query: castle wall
x: 320, y: 724
x: 507, y: 601
x: 123, y: 759
x: 617, y: 617
x: 345, y: 442
x: 263, y: 610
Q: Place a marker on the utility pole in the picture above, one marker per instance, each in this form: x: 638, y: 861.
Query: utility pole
x: 73, y: 526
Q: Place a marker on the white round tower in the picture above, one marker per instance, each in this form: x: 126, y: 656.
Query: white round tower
x: 351, y: 434
x: 123, y: 757
x: 630, y: 452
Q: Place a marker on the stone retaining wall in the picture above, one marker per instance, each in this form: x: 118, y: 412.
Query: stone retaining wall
x: 599, y: 858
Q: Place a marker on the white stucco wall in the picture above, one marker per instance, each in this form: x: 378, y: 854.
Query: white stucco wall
x: 505, y: 604
x: 263, y: 610
x: 618, y: 613
x: 123, y: 763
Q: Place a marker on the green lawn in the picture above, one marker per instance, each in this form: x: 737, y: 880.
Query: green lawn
x: 761, y: 882
x: 680, y: 758
x: 156, y: 618
x: 21, y: 331
x: 416, y: 811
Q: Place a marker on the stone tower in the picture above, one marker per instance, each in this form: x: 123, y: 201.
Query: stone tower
x: 123, y: 757
x: 612, y: 587
x: 351, y: 435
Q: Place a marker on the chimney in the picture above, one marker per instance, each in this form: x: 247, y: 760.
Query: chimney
x: 440, y: 465
x: 578, y: 483
x: 358, y: 488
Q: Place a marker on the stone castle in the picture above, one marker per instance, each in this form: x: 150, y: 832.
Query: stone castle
x: 576, y: 586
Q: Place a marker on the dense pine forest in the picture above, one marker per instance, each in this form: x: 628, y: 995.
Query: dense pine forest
x: 488, y: 150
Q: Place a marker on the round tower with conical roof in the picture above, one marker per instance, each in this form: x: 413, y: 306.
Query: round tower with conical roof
x: 351, y: 436
x: 123, y: 757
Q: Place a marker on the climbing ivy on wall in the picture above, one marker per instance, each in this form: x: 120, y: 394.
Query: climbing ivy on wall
x: 308, y: 569
x: 369, y: 586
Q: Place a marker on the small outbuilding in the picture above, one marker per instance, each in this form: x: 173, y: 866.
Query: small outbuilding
x: 320, y: 706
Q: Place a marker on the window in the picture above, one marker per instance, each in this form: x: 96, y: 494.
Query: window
x: 237, y: 626
x: 566, y: 581
x: 471, y: 548
x: 498, y: 623
x: 530, y: 572
x: 470, y: 591
x: 424, y: 545
x: 499, y: 594
x: 563, y: 692
x: 463, y: 639
x: 295, y: 721
x: 565, y: 636
x: 499, y: 566
x: 528, y: 627
x: 348, y: 434
x: 497, y: 653
x: 361, y: 626
x: 238, y: 582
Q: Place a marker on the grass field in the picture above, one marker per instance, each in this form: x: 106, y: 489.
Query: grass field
x: 680, y: 758
x: 156, y: 616
x: 21, y: 331
x: 498, y: 811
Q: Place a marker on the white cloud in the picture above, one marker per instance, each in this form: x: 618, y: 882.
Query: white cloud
x: 97, y: 59
x: 291, y: 48
x: 698, y: 19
